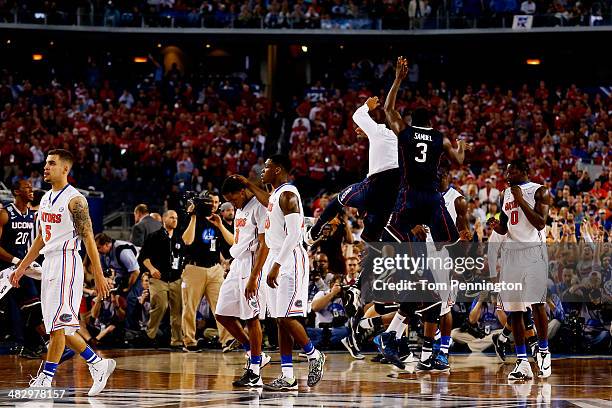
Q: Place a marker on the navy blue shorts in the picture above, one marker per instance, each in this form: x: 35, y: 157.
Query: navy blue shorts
x: 421, y: 207
x: 375, y: 196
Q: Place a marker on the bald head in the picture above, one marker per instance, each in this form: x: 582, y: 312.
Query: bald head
x: 170, y: 220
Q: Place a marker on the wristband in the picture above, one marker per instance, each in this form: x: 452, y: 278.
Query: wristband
x: 15, y: 260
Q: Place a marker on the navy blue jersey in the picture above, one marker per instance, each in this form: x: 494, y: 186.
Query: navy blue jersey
x: 17, y: 233
x: 420, y: 150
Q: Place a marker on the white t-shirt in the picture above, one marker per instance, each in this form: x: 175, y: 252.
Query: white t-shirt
x: 383, y: 142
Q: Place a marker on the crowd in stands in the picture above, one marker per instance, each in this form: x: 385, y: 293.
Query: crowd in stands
x: 356, y: 14
x: 167, y: 134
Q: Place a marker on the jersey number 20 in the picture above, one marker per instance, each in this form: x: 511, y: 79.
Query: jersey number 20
x: 423, y: 157
x: 22, y: 238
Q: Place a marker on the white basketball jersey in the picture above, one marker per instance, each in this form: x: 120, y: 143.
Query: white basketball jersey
x: 55, y: 220
x: 449, y: 201
x: 275, y: 221
x: 520, y: 230
x: 249, y: 222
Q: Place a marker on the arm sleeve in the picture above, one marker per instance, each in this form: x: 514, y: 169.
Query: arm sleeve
x: 260, y: 219
x: 362, y: 118
x: 293, y: 225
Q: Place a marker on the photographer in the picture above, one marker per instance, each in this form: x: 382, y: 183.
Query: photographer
x: 333, y: 234
x: 205, y: 237
x: 163, y: 255
x: 319, y: 275
x: 122, y: 257
x: 109, y: 315
x: 485, y: 320
x: 331, y: 319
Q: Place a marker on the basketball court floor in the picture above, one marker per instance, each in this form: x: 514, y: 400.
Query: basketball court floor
x: 155, y: 378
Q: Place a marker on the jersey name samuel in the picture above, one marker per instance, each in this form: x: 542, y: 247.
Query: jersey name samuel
x: 422, y: 136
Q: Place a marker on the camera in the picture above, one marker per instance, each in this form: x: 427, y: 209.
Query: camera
x: 202, y: 202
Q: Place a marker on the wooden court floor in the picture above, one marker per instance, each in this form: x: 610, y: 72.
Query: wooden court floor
x: 156, y: 378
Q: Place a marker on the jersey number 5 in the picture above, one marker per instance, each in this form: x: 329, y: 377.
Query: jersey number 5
x: 47, y: 233
x: 423, y: 157
x: 514, y: 217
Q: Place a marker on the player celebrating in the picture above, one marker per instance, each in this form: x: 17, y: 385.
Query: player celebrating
x: 375, y: 194
x: 64, y: 222
x: 242, y: 296
x: 286, y: 269
x: 525, y: 260
x: 418, y: 201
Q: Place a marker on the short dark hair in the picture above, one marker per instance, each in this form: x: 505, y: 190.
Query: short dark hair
x: 102, y: 239
x: 420, y: 117
x: 17, y: 185
x: 281, y: 160
x: 520, y: 164
x: 231, y: 185
x: 63, y: 154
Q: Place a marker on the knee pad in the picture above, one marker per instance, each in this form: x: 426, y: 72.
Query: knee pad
x: 384, y: 308
x: 32, y: 315
x: 432, y: 314
x: 408, y: 308
x: 528, y: 319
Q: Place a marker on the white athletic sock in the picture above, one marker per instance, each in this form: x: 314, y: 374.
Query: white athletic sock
x: 400, y: 333
x: 255, y: 368
x: 287, y: 370
x: 397, y: 324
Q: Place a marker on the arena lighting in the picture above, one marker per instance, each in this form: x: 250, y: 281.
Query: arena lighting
x: 37, y: 57
x: 207, y: 45
x: 158, y: 45
x: 140, y: 60
x: 304, y: 48
x: 533, y: 61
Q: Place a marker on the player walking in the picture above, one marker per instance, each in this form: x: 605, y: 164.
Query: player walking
x: 287, y: 270
x: 64, y: 222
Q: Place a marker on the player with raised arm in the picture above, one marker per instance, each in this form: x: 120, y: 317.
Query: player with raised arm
x: 525, y: 260
x: 286, y: 270
x: 419, y: 202
x: 64, y: 223
x: 242, y: 296
x: 375, y: 194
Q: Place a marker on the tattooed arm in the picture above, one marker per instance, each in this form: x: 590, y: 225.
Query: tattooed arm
x: 82, y: 223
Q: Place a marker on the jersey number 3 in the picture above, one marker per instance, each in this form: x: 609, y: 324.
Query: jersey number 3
x: 423, y: 157
x: 514, y: 217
